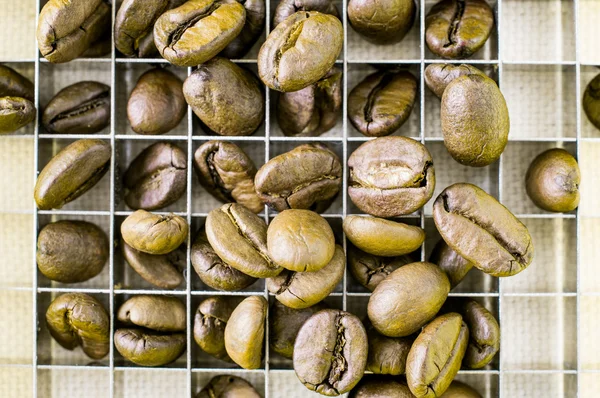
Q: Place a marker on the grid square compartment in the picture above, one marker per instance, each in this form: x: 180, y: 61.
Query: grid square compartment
x: 589, y: 153
x: 590, y: 356
x: 589, y: 275
x: 16, y: 251
x: 27, y: 69
x: 554, y: 385
x: 17, y: 170
x: 16, y: 382
x: 72, y: 382
x: 15, y: 311
x: 150, y: 383
x: 202, y: 378
x: 588, y: 32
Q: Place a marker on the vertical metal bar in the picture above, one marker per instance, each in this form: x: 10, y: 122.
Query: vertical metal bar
x: 500, y: 162
x: 422, y: 103
x: 267, y: 157
x: 113, y: 162
x: 36, y: 133
x: 345, y: 150
x: 577, y: 215
x: 188, y: 270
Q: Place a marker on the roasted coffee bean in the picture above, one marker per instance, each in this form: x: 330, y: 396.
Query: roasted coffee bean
x: 81, y: 108
x: 300, y: 240
x: 78, y: 319
x: 252, y: 30
x: 225, y: 386
x: 153, y: 233
x: 196, y: 31
x: 482, y: 231
x: 591, y: 101
x: 376, y: 386
x: 13, y: 84
x: 160, y: 313
x: 330, y: 353
x: 435, y: 356
x: 71, y: 173
x: 284, y: 324
x: 228, y: 99
x: 475, y: 120
x: 163, y: 271
x: 484, y: 331
x: 303, y: 289
x: 382, y: 237
x: 15, y: 112
x: 134, y: 25
x: 149, y: 348
x: 552, y: 181
x: 370, y: 270
x: 227, y: 173
x: 450, y: 262
x: 66, y: 28
x: 387, y: 355
x: 458, y: 28
x: 438, y: 76
x: 285, y: 8
x: 382, y: 22
x: 100, y: 48
x: 407, y: 299
x: 307, y: 177
x: 390, y: 176
x: 314, y: 110
x: 157, y: 177
x: 213, y: 271
x: 71, y: 251
x: 282, y: 61
x: 245, y: 332
x: 460, y: 390
x: 382, y: 102
x: 239, y: 237
x: 156, y: 104
x: 209, y: 325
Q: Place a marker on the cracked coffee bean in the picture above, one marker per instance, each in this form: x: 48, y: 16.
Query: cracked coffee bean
x: 79, y: 319
x: 376, y: 386
x: 67, y: 28
x: 390, y: 176
x: 552, y: 181
x: 387, y: 355
x: 252, y: 30
x: 156, y: 104
x: 213, y: 271
x: 245, y: 332
x: 196, y: 31
x: 153, y: 233
x: 475, y: 120
x: 484, y: 331
x: 149, y: 348
x: 227, y: 173
x: 134, y: 25
x: 436, y: 355
x: 239, y: 237
x: 314, y: 110
x: 457, y: 29
x: 450, y: 262
x: 307, y: 177
x: 382, y: 102
x: 228, y: 386
x: 71, y: 251
x: 382, y: 237
x: 285, y: 8
x: 16, y: 100
x: 71, y: 173
x: 460, y: 390
x: 160, y: 313
x: 81, y: 108
x: 482, y: 231
x: 370, y: 270
x: 330, y: 353
x: 303, y: 289
x: 156, y: 178
x: 407, y: 299
x: 209, y: 325
x: 282, y: 61
x: 163, y: 271
x: 382, y: 22
x: 228, y: 99
x: 13, y: 84
x: 285, y: 323
x: 438, y: 76
x: 591, y: 101
x: 300, y: 240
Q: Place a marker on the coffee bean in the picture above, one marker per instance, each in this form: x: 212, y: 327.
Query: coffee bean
x: 160, y: 313
x: 13, y: 84
x: 458, y: 28
x: 370, y: 270
x: 460, y: 390
x: 450, y: 262
x: 163, y: 271
x: 71, y: 173
x: 209, y: 325
x: 282, y: 61
x: 390, y: 176
x: 285, y: 8
x: 382, y: 22
x: 196, y: 31
x: 376, y: 386
x: 15, y: 112
x: 149, y: 348
x: 307, y: 177
x: 438, y: 76
x: 387, y: 355
x: 100, y: 48
x: 79, y: 319
x: 245, y: 332
x: 228, y: 386
x: 153, y: 233
x: 252, y: 30
x: 157, y: 177
x: 591, y: 101
x: 81, y: 108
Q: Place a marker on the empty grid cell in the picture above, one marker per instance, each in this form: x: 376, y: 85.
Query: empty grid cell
x: 539, y: 385
x: 17, y: 172
x: 589, y: 323
x: 588, y: 32
x: 589, y: 153
x: 16, y: 382
x: 150, y: 383
x: 589, y: 384
x: 590, y: 253
x: 16, y: 314
x: 15, y: 247
x: 55, y: 383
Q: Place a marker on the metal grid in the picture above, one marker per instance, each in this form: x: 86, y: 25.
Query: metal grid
x: 491, y: 382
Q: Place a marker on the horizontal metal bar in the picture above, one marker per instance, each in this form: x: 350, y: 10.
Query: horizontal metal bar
x: 305, y: 139
x: 548, y: 63
x: 517, y: 139
x: 541, y: 294
x: 384, y: 61
x: 225, y: 293
x: 72, y: 290
x: 128, y: 368
x: 461, y: 61
x: 228, y: 370
x: 18, y: 60
x: 16, y: 288
x: 126, y: 213
x: 150, y: 292
x: 74, y: 367
x: 74, y: 212
x: 82, y: 60
x: 136, y: 137
x: 74, y: 136
x: 227, y: 138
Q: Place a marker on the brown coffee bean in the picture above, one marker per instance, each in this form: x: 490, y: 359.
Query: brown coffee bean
x: 438, y: 76
x: 153, y: 233
x: 163, y: 271
x: 450, y: 262
x: 370, y: 270
x: 160, y: 313
x: 245, y: 332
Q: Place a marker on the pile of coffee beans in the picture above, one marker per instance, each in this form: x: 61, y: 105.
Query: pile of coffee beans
x: 414, y: 337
